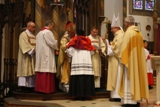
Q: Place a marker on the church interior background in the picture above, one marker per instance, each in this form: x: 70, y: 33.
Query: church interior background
x: 14, y: 14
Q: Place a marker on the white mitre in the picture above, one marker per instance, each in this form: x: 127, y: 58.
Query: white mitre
x: 115, y: 21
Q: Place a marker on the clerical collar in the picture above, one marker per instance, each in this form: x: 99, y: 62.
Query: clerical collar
x: 44, y: 28
x: 94, y: 36
x: 28, y: 32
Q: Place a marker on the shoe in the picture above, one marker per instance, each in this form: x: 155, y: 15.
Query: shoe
x: 76, y: 98
x: 131, y: 105
x: 82, y: 98
x: 88, y: 98
x: 122, y: 105
x: 138, y: 104
x: 111, y: 99
x: 23, y: 90
x: 150, y: 87
x: 30, y: 90
x: 115, y: 99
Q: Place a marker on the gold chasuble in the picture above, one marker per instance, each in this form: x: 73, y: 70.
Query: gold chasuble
x: 63, y: 69
x: 113, y: 61
x: 26, y: 63
x: 96, y: 58
x: 133, y: 58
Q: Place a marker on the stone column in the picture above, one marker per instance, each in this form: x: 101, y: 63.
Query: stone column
x: 0, y: 50
x: 155, y: 61
x: 28, y: 9
x: 55, y: 18
x: 70, y: 10
x: 155, y: 27
x: 38, y: 15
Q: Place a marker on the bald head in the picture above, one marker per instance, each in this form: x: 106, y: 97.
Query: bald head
x: 31, y: 26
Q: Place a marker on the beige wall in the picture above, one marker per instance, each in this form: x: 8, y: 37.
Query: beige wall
x: 116, y: 6
x: 112, y: 7
x: 142, y: 22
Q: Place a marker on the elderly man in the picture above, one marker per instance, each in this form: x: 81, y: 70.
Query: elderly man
x: 63, y: 69
x: 26, y: 58
x: 45, y: 59
x: 113, y: 61
x: 100, y: 46
x: 133, y: 81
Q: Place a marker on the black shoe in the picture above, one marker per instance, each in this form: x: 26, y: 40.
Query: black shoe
x: 115, y: 99
x: 111, y: 99
x: 88, y: 98
x: 150, y: 87
x: 138, y: 104
x: 82, y: 98
x: 77, y: 98
x: 131, y: 105
x: 122, y: 105
x: 30, y: 90
x: 23, y: 90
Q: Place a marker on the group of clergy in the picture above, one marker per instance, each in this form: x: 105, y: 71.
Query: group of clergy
x: 79, y: 62
x: 37, y: 57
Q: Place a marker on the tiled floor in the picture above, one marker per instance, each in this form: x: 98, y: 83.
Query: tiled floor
x: 103, y: 102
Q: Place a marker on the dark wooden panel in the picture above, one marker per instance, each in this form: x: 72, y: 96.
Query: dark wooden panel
x: 110, y: 34
x: 158, y: 7
x: 88, y: 12
x: 104, y: 73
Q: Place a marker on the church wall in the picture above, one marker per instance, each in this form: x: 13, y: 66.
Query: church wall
x: 142, y: 22
x: 112, y: 7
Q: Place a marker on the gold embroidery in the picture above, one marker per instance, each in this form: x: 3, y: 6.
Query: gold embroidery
x: 29, y: 39
x: 66, y: 38
x: 95, y: 41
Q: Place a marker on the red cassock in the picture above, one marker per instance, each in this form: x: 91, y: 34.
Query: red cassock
x: 45, y: 82
x: 150, y: 74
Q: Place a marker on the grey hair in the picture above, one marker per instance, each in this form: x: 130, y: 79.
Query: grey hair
x: 130, y: 19
x: 48, y: 22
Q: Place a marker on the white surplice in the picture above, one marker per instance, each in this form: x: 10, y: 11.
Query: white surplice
x: 114, y: 93
x: 127, y: 93
x: 28, y: 81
